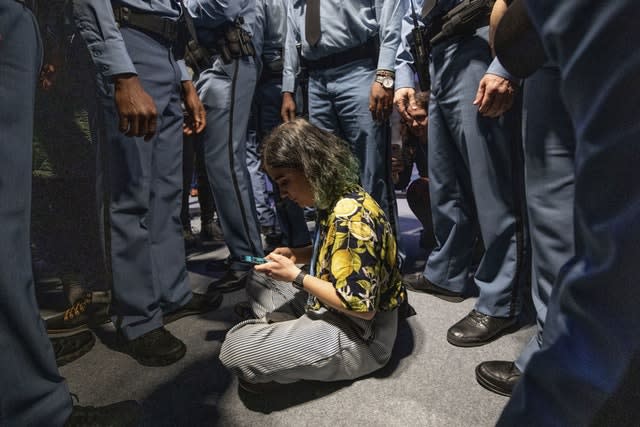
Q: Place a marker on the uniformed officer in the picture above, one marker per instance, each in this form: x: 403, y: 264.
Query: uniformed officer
x: 473, y: 175
x: 587, y: 372
x: 348, y: 47
x: 32, y: 392
x: 226, y: 89
x: 141, y: 86
x: 269, y: 33
x: 549, y: 145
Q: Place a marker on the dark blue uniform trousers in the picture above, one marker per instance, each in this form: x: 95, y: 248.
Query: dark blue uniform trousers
x: 146, y: 244
x: 32, y: 392
x: 473, y: 182
x: 549, y: 145
x: 587, y: 372
x: 226, y: 90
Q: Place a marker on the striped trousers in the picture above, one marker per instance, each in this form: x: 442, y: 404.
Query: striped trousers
x: 288, y: 343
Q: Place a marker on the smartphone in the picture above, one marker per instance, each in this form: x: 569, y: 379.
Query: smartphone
x: 254, y: 259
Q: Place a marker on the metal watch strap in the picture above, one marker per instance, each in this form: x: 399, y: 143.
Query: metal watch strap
x: 299, y: 280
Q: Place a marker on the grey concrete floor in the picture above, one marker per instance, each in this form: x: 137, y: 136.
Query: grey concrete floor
x: 428, y: 382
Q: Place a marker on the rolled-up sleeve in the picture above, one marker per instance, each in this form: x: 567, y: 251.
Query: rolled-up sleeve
x: 97, y: 26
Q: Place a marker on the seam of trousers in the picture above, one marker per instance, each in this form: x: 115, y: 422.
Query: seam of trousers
x: 234, y: 178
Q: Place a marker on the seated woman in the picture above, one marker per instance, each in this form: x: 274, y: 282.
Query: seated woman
x: 339, y: 321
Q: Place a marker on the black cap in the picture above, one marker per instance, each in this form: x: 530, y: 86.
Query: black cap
x: 517, y: 43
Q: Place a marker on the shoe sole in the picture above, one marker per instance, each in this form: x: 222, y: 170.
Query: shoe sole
x: 68, y: 358
x: 490, y: 386
x: 502, y: 332
x: 179, y: 314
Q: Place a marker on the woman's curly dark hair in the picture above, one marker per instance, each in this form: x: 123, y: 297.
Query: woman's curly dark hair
x: 324, y: 159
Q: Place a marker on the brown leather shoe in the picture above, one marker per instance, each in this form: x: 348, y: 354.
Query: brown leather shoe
x: 498, y: 376
x: 418, y: 283
x: 476, y: 329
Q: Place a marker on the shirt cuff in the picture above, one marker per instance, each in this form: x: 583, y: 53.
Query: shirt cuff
x: 288, y: 84
x: 496, y: 68
x: 386, y: 59
x: 404, y: 76
x: 112, y: 58
x: 184, y: 73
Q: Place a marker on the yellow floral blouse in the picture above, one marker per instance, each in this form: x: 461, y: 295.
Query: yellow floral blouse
x: 357, y: 253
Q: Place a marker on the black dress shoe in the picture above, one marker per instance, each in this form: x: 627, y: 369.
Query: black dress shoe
x: 477, y: 329
x: 418, y: 283
x: 231, y: 281
x: 498, y: 376
x: 155, y: 348
x: 199, y: 304
x: 69, y: 348
x: 127, y: 413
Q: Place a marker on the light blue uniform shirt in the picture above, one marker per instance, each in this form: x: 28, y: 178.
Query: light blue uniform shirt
x: 97, y: 26
x: 209, y: 15
x: 270, y: 28
x: 404, y: 60
x: 344, y: 24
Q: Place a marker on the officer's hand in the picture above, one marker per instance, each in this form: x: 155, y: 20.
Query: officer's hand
x: 196, y: 118
x: 380, y: 102
x: 137, y: 111
x: 47, y: 76
x: 403, y: 98
x: 288, y: 109
x: 495, y: 95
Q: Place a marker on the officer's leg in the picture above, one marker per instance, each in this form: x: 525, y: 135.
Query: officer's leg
x: 165, y: 226
x: 351, y: 86
x: 449, y: 190
x: 549, y: 151
x: 488, y: 149
x: 138, y: 288
x: 266, y: 215
x: 226, y: 92
x: 587, y: 370
x: 32, y: 392
x: 321, y: 110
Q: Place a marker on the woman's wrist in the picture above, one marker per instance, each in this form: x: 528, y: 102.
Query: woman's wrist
x: 298, y: 281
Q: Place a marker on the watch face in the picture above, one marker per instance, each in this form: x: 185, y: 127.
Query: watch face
x: 387, y: 82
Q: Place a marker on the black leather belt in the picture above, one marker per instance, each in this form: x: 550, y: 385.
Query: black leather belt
x: 154, y: 24
x: 368, y: 50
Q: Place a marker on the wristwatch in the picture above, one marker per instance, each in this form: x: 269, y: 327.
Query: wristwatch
x: 385, y: 78
x: 298, y: 281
